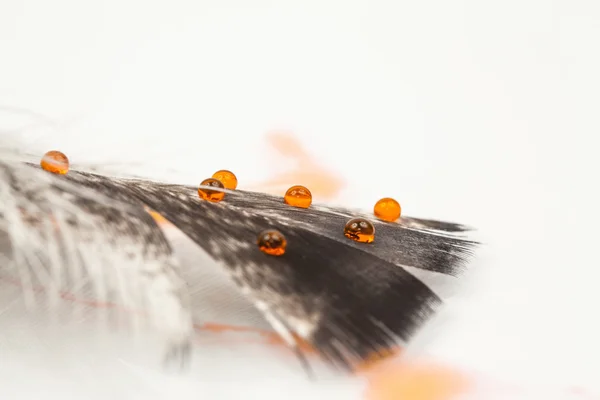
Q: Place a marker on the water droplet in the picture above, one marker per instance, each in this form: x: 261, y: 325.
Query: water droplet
x: 298, y: 196
x: 360, y: 229
x: 227, y: 178
x: 272, y: 242
x: 387, y: 209
x: 55, y: 162
x: 211, y: 195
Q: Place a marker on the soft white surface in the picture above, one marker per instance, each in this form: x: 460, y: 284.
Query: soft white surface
x: 479, y: 112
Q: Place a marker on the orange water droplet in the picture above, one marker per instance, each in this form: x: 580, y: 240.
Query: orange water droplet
x: 360, y: 229
x: 211, y: 195
x: 298, y: 196
x: 272, y: 242
x: 55, y: 162
x: 387, y: 209
x: 227, y: 178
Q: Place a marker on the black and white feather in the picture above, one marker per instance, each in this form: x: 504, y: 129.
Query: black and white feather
x: 348, y: 299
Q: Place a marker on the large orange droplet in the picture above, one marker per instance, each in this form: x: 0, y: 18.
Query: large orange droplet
x: 387, y: 209
x: 211, y: 195
x: 272, y: 242
x: 227, y: 178
x: 298, y: 196
x: 56, y: 162
x: 360, y: 230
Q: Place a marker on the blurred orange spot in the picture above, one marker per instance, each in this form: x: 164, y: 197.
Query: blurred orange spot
x: 55, y: 162
x: 302, y: 344
x: 272, y: 337
x: 221, y: 328
x: 416, y: 382
x: 158, y: 218
x: 368, y: 366
x: 323, y: 183
x: 375, y: 360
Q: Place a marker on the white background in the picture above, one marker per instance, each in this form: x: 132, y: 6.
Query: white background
x: 482, y: 112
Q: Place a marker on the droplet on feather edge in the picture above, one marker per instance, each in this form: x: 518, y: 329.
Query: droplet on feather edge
x: 227, y: 178
x: 387, y: 209
x: 213, y: 196
x: 272, y: 242
x: 56, y: 162
x: 360, y: 230
x: 298, y: 196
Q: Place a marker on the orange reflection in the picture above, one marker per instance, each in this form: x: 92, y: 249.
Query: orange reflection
x: 271, y: 337
x: 158, y: 217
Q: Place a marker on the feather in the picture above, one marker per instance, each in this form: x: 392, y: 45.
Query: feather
x: 349, y: 300
x: 64, y: 237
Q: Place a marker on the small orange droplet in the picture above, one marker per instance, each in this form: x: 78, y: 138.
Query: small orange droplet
x: 227, y: 178
x: 55, y: 162
x: 272, y: 242
x: 360, y: 229
x: 387, y: 209
x: 298, y: 196
x: 211, y: 195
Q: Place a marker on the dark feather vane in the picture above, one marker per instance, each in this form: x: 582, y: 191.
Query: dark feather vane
x: 348, y: 299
